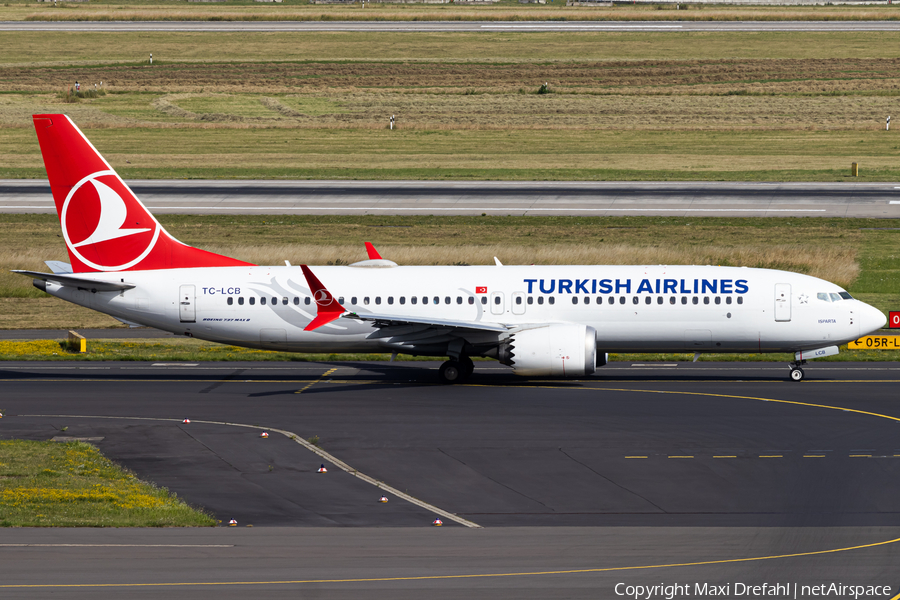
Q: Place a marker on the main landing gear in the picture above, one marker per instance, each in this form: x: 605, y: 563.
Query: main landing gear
x: 796, y: 372
x: 456, y: 371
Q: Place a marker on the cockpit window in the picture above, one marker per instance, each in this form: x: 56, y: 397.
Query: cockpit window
x: 846, y: 296
x: 835, y: 298
x: 823, y: 296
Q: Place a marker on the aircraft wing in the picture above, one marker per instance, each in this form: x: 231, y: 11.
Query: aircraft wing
x: 77, y: 281
x: 382, y: 321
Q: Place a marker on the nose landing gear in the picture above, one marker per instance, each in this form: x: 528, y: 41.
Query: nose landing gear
x: 796, y: 372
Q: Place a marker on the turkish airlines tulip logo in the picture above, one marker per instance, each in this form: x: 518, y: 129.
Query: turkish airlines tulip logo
x: 323, y: 298
x: 105, y: 226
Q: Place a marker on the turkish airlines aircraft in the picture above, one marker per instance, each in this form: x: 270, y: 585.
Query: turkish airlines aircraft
x: 540, y: 320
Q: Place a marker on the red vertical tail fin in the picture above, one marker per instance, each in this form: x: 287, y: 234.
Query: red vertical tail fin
x: 105, y: 226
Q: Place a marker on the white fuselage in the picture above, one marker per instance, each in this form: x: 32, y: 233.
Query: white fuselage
x: 632, y: 308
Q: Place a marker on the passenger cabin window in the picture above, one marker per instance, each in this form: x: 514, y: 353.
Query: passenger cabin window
x: 496, y: 299
x: 518, y: 299
x: 672, y: 300
x: 530, y: 300
x: 402, y: 299
x: 252, y: 300
x: 284, y: 301
x: 740, y: 299
x: 599, y: 299
x: 413, y: 299
x: 728, y: 300
x: 262, y: 301
x: 366, y: 300
x: 296, y: 301
x: 551, y: 300
x: 648, y: 300
x: 230, y: 301
x: 437, y: 300
x: 695, y: 300
x: 446, y: 299
x: 634, y: 300
x: 390, y: 299
x: 377, y: 299
x: 718, y: 300
x: 274, y: 301
x: 353, y: 300
x: 540, y: 299
x: 459, y: 300
x: 240, y: 301
x: 574, y: 299
x: 484, y: 300
x: 472, y: 300
x: 424, y: 299
x: 684, y: 299
x: 659, y: 299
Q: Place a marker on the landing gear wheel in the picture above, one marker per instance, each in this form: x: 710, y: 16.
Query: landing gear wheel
x: 467, y: 366
x: 796, y: 374
x: 451, y: 372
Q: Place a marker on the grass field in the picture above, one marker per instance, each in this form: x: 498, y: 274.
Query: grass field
x: 504, y: 10
x: 788, y: 107
x: 50, y: 484
x: 859, y: 254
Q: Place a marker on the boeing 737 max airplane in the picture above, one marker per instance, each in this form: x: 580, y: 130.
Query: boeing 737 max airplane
x: 539, y: 320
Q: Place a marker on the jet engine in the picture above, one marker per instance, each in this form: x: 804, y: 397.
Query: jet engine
x: 564, y: 350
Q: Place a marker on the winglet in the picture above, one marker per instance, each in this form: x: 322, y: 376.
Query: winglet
x: 373, y: 253
x: 328, y: 308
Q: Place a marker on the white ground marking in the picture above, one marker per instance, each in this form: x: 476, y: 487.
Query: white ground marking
x: 314, y: 449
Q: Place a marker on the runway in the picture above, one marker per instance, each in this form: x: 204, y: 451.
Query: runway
x: 638, y: 466
x: 450, y: 26
x: 859, y: 200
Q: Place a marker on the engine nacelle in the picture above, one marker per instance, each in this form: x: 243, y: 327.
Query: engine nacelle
x: 564, y: 350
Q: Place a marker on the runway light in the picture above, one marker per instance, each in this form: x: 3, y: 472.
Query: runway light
x: 186, y: 421
x: 232, y: 523
x: 437, y: 522
x: 264, y: 434
x: 322, y: 469
x: 383, y: 499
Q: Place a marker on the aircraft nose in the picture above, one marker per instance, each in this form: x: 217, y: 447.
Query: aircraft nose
x: 871, y: 319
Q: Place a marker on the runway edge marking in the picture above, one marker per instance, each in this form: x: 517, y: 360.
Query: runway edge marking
x: 309, y: 446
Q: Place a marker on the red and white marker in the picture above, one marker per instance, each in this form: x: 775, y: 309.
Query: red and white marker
x: 437, y: 522
x: 264, y: 434
x: 232, y: 523
x: 322, y: 469
x: 383, y: 499
x: 186, y: 421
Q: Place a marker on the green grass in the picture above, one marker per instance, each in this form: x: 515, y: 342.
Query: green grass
x: 49, y: 484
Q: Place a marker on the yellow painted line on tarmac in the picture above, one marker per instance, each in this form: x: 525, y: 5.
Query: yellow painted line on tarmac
x: 860, y: 456
x: 312, y: 383
x: 445, y: 577
x: 813, y: 456
x: 681, y: 457
x: 637, y: 457
x: 771, y: 456
x: 728, y: 456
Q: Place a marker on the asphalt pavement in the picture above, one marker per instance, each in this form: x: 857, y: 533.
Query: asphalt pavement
x: 872, y: 200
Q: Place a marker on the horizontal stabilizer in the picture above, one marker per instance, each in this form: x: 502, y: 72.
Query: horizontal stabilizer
x: 71, y: 280
x: 59, y: 267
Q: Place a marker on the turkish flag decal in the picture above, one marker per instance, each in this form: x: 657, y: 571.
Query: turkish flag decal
x: 481, y: 290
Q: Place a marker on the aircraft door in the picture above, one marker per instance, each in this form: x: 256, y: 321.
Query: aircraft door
x: 518, y: 303
x: 186, y: 300
x: 782, y: 302
x: 497, y: 307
